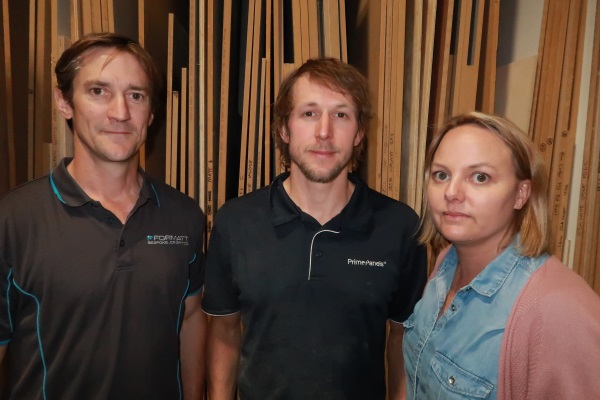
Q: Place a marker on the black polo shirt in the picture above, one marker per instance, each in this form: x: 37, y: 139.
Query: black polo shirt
x: 91, y: 308
x: 314, y: 299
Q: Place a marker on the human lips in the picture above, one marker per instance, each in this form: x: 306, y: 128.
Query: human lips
x: 454, y: 215
x: 117, y: 131
x: 323, y: 151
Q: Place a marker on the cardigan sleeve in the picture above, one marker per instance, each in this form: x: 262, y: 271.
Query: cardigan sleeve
x: 551, y: 344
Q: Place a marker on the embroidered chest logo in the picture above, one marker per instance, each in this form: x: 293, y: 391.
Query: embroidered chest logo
x: 366, y: 263
x: 180, y: 240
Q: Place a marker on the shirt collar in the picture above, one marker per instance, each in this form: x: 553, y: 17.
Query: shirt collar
x: 67, y: 190
x: 357, y: 215
x: 493, y: 276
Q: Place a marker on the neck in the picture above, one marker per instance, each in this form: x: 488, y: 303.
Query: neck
x: 473, y: 259
x: 322, y: 201
x: 115, y: 185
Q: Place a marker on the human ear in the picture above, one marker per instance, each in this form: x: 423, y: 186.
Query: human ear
x: 523, y: 194
x: 358, y: 138
x: 284, y: 135
x: 62, y: 104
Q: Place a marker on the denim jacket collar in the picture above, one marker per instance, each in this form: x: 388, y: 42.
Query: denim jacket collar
x: 493, y: 276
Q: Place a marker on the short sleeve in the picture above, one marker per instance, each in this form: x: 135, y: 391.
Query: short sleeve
x: 196, y: 271
x: 5, y: 278
x: 221, y: 296
x: 413, y: 273
x: 197, y: 261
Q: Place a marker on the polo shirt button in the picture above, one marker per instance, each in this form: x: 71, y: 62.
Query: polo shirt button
x: 451, y: 380
x: 318, y: 254
x: 111, y: 221
x: 453, y: 307
x: 122, y: 243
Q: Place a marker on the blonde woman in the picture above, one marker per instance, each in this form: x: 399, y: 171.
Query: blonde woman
x: 500, y: 317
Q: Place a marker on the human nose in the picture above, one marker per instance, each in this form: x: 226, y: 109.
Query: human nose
x: 454, y: 190
x: 118, y: 109
x: 324, y: 128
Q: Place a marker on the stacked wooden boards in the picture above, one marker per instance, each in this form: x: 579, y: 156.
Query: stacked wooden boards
x: 47, y: 136
x: 248, y: 48
x: 425, y: 61
x: 42, y: 29
x: 218, y: 99
x: 587, y: 245
x: 7, y: 132
x: 390, y: 40
x: 466, y: 43
x: 555, y: 103
x: 13, y: 93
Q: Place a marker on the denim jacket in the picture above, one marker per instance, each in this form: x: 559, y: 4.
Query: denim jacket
x: 456, y: 356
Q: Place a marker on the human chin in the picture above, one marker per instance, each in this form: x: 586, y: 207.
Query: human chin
x: 118, y: 153
x: 321, y: 176
x: 457, y: 233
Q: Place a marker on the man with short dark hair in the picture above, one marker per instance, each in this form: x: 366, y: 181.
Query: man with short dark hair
x: 313, y: 266
x: 100, y: 265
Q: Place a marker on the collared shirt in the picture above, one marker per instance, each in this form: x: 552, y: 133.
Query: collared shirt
x: 314, y: 299
x: 90, y: 307
x: 456, y: 356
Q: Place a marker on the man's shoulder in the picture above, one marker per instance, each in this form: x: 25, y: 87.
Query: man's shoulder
x: 258, y: 199
x: 24, y: 194
x: 391, y: 208
x: 171, y: 197
x: 26, y: 205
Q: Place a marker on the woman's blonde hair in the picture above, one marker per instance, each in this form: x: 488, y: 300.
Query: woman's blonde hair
x: 533, y: 220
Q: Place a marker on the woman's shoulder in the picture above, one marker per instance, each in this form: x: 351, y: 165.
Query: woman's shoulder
x: 554, y: 284
x: 555, y: 291
x: 553, y: 331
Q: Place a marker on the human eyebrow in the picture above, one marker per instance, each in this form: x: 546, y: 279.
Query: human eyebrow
x: 334, y: 107
x: 481, y: 165
x: 471, y: 167
x: 139, y: 88
x: 345, y: 107
x: 438, y: 165
x: 98, y: 83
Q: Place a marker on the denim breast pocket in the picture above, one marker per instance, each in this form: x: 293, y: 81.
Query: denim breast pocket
x: 457, y: 382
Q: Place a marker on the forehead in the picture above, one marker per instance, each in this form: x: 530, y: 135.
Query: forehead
x: 472, y: 144
x: 307, y: 90
x: 110, y: 63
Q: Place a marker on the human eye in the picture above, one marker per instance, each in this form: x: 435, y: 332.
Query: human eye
x: 96, y: 91
x: 480, y: 177
x: 137, y: 97
x: 340, y: 114
x: 439, y: 176
x: 309, y: 114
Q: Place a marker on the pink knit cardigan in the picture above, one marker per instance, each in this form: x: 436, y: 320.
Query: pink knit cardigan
x: 551, y: 344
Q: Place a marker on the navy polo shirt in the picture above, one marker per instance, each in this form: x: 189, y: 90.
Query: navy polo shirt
x: 91, y: 308
x: 314, y: 299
